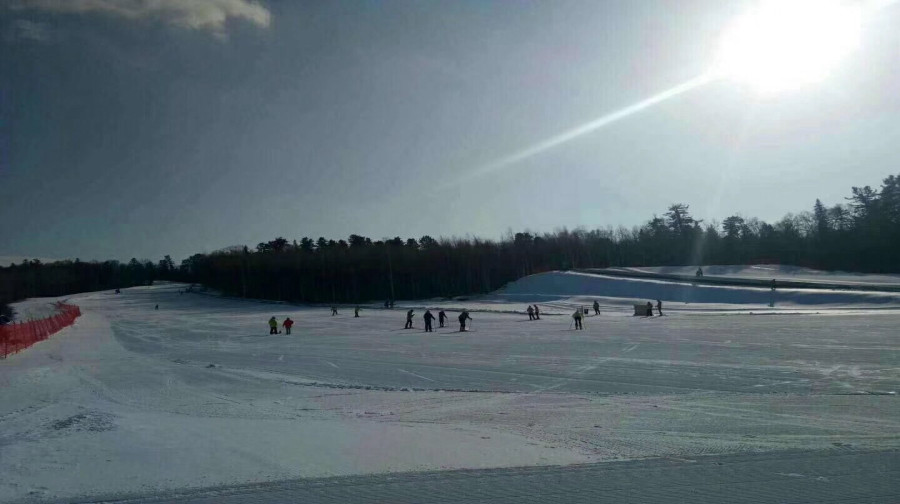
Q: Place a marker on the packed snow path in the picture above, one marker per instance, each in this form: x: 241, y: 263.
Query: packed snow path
x: 798, y: 478
x: 197, y: 393
x: 508, y: 353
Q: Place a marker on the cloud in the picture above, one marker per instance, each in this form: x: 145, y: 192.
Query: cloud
x: 209, y: 15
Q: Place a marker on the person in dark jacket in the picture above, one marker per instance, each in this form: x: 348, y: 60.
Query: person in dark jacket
x: 409, y: 316
x: 537, y: 312
x: 428, y: 318
x: 596, y: 307
x: 649, y: 309
x: 334, y: 311
x: 462, y: 320
x: 356, y: 312
x: 530, y: 312
x: 441, y: 318
x: 659, y: 307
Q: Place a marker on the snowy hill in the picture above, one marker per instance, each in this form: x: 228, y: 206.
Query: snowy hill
x: 198, y: 381
x: 766, y: 272
x: 583, y: 288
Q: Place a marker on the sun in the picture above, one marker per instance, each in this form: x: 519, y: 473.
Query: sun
x: 782, y: 45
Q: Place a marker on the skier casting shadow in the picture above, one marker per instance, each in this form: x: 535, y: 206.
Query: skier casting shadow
x: 462, y: 320
x: 409, y: 317
x: 441, y: 318
x: 428, y: 319
x: 578, y: 315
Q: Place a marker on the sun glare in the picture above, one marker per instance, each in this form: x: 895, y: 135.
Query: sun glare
x: 785, y: 44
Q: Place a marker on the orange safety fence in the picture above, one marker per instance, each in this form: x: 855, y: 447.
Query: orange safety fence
x: 15, y: 337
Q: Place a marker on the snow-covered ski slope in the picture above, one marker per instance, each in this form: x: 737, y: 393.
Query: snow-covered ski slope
x: 135, y: 400
x: 616, y: 294
x: 766, y: 272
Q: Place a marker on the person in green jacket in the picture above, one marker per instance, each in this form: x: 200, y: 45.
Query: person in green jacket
x: 273, y: 325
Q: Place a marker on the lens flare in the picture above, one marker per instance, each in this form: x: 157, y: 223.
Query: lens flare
x: 788, y: 44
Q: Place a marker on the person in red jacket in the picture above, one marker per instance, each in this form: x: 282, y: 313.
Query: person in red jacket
x: 287, y: 325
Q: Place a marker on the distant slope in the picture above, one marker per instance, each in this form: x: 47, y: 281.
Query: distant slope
x: 766, y: 272
x: 559, y: 285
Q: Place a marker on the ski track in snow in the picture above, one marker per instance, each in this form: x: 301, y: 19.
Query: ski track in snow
x: 199, y: 394
x: 414, y: 374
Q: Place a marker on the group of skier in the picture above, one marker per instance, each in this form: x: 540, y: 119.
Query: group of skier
x: 534, y: 313
x: 273, y: 325
x: 442, y: 318
x: 429, y: 320
x: 334, y: 311
x: 658, y: 308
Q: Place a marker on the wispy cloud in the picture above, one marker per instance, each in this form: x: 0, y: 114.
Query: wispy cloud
x: 209, y: 15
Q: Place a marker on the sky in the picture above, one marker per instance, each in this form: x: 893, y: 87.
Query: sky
x: 139, y: 129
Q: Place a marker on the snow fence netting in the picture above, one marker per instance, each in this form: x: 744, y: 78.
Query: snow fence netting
x: 16, y: 337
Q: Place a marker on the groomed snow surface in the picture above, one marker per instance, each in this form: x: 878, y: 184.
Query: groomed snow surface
x: 132, y: 400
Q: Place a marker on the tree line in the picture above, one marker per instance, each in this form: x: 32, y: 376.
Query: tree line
x: 33, y: 278
x: 860, y: 234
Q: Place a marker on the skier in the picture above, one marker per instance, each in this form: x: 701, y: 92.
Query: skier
x: 699, y: 271
x: 156, y: 307
x: 442, y: 317
x: 462, y: 320
x: 649, y: 309
x: 537, y: 312
x: 409, y: 316
x: 356, y: 312
x: 596, y: 307
x: 773, y: 285
x: 273, y: 325
x: 530, y: 313
x: 333, y: 311
x: 579, y: 313
x: 428, y: 318
x: 659, y: 307
x: 287, y: 325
